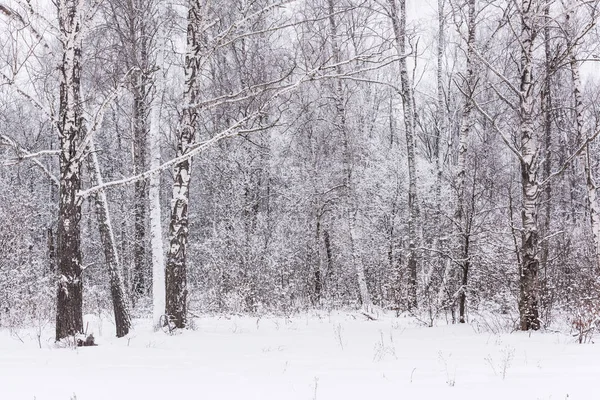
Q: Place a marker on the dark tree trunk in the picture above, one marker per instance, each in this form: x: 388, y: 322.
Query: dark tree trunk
x: 69, y: 314
x: 138, y: 38
x: 318, y: 275
x: 140, y: 132
x: 51, y: 250
x: 462, y: 300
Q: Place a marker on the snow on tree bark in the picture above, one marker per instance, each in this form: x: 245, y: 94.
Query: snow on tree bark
x: 117, y: 291
x: 176, y: 273
x: 140, y: 133
x: 399, y: 27
x: 546, y: 108
x: 462, y: 247
x: 590, y: 183
x: 156, y: 239
x: 69, y: 314
x: 137, y: 38
x: 528, y: 282
x: 341, y: 125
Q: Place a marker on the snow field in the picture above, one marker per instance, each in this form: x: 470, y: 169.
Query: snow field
x: 326, y: 356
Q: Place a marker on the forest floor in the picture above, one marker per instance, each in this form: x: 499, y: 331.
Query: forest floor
x: 311, y: 356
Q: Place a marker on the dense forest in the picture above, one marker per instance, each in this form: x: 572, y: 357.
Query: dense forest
x: 437, y: 158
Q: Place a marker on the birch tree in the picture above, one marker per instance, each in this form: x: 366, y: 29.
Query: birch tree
x: 134, y: 25
x: 176, y: 273
x: 341, y: 126
x: 580, y: 129
x: 530, y: 163
x: 69, y: 314
x: 462, y: 247
x: 117, y: 291
x: 398, y: 18
x: 156, y: 238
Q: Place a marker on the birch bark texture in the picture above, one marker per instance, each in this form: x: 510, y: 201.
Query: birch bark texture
x: 111, y: 256
x: 69, y: 313
x: 140, y: 81
x: 530, y: 162
x: 590, y: 183
x: 398, y: 18
x: 462, y: 246
x: 156, y: 239
x: 342, y: 126
x: 176, y: 268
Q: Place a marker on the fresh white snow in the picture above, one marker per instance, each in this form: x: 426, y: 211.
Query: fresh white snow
x: 310, y: 356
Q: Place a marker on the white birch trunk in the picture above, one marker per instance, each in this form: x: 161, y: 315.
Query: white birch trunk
x: 580, y: 133
x: 461, y: 235
x: 528, y: 299
x: 107, y: 237
x: 176, y: 267
x: 399, y: 26
x: 156, y: 239
x: 341, y: 125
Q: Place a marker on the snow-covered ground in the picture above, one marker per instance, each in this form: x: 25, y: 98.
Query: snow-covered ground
x: 339, y: 356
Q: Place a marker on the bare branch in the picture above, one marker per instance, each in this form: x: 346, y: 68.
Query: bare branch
x: 23, y: 154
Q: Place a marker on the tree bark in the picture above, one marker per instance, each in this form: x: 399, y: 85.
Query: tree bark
x: 117, y: 291
x: 341, y: 125
x: 176, y: 272
x: 546, y: 106
x: 528, y: 299
x: 140, y: 83
x: 156, y: 239
x: 590, y: 182
x: 69, y: 314
x: 399, y: 27
x: 462, y: 233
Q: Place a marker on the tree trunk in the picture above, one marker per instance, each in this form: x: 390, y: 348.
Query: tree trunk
x: 340, y: 122
x: 120, y: 307
x: 528, y: 300
x: 140, y: 82
x: 51, y: 250
x: 546, y: 105
x: 318, y: 275
x: 176, y: 278
x: 156, y: 239
x: 399, y: 26
x: 462, y: 234
x: 581, y: 136
x: 69, y: 314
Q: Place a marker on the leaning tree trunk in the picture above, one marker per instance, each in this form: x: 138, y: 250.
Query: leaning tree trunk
x: 117, y: 291
x: 399, y: 26
x: 69, y: 314
x: 528, y: 294
x: 176, y: 278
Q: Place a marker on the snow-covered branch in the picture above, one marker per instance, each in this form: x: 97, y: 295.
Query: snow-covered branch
x: 23, y: 154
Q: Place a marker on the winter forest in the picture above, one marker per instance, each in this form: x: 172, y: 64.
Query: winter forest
x: 174, y: 162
